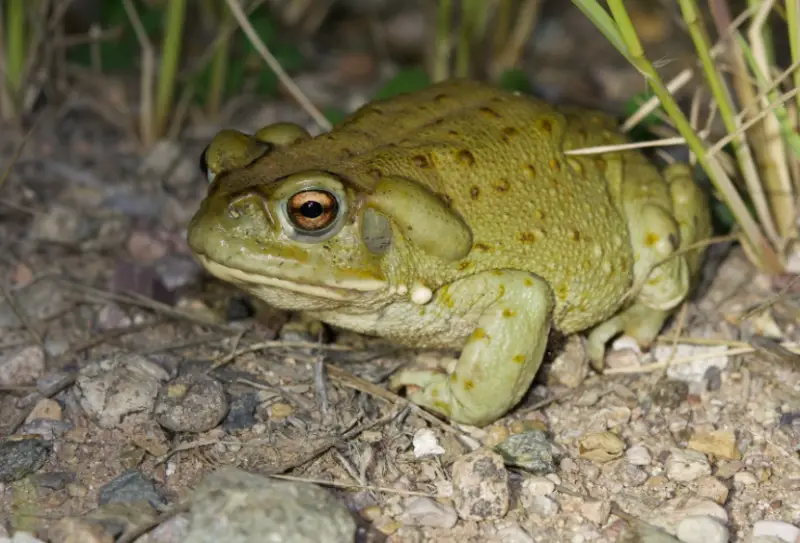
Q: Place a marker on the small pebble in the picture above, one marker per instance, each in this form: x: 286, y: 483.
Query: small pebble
x: 45, y: 409
x: 191, y: 403
x: 702, y: 529
x: 480, y: 483
x: 428, y: 512
x: 686, y: 465
x: 21, y: 367
x: 23, y: 537
x: 241, y: 413
x: 543, y: 506
x: 426, y: 443
x: 74, y: 530
x: 234, y: 505
x: 538, y: 486
x: 118, y: 388
x: 130, y: 487
x: 21, y: 456
x: 513, y: 533
x: 701, y: 507
x: 630, y: 476
x: 531, y: 450
x: 601, y: 447
x: 638, y: 455
x: 721, y: 443
x: 744, y: 478
x: 711, y: 487
x: 596, y: 511
x: 776, y: 528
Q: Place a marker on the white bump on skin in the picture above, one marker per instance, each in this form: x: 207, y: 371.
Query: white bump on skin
x: 402, y: 289
x: 421, y: 294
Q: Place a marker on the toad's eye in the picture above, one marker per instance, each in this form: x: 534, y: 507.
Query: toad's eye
x: 204, y: 165
x: 312, y: 211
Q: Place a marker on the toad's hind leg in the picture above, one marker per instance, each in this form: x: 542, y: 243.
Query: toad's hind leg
x: 501, y: 357
x: 657, y: 301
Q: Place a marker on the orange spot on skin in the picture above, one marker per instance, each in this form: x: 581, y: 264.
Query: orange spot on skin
x: 574, y: 235
x: 519, y: 359
x: 601, y: 164
x: 508, y: 313
x: 465, y: 157
x: 546, y: 126
x: 651, y: 239
x: 481, y: 247
x: 530, y: 171
x: 527, y: 237
x: 469, y: 384
x: 502, y: 185
x: 527, y: 283
x: 497, y: 273
x: 442, y: 407
x: 478, y: 334
x: 464, y: 265
x: 555, y: 165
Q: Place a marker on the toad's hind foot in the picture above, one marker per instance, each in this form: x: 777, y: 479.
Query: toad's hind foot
x: 638, y: 321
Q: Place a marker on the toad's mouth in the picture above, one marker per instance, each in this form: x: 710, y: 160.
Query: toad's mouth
x: 339, y: 286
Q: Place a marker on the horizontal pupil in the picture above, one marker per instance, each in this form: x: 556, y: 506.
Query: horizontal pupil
x: 311, y: 210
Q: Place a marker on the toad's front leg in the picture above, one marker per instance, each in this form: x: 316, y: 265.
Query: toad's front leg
x: 501, y: 357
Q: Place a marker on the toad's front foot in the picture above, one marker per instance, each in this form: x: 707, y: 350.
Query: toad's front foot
x: 501, y: 357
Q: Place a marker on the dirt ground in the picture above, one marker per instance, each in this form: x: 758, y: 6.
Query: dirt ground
x: 127, y: 375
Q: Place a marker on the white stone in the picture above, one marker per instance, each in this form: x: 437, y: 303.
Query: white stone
x: 702, y: 529
x: 539, y: 486
x: 638, y: 455
x: 775, y: 528
x: 426, y: 444
x: 744, y: 478
x: 544, y: 506
x: 427, y: 512
x: 686, y: 465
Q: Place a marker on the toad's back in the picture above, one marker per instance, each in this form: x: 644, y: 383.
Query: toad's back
x: 498, y: 159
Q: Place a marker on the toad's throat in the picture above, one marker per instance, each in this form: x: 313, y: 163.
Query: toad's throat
x: 340, y: 289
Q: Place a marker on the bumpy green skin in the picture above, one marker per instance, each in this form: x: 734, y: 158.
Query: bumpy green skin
x: 466, y: 226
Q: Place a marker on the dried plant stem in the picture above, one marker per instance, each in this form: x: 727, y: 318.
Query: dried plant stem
x: 793, y: 22
x: 727, y: 113
x: 14, y: 61
x: 170, y: 58
x: 441, y: 52
x: 146, y: 132
x: 272, y: 62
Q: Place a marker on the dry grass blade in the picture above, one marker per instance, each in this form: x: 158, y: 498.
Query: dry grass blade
x: 276, y: 67
x: 147, y: 77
